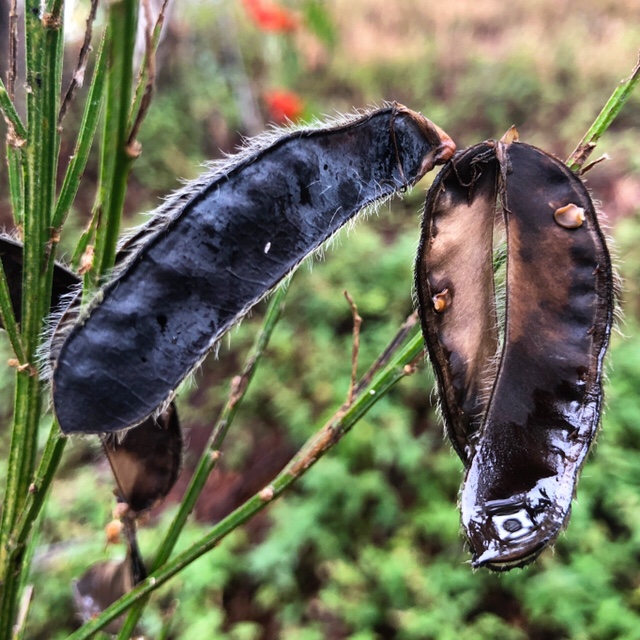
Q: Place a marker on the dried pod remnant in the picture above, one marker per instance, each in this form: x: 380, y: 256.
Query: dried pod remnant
x: 194, y: 271
x: 105, y: 582
x: 146, y: 461
x: 542, y: 407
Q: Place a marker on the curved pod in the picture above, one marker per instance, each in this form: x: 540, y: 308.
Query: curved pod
x: 225, y: 242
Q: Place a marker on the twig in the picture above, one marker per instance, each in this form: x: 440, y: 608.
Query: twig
x: 43, y: 47
x: 147, y: 74
x: 77, y: 79
x: 388, y: 351
x: 23, y: 613
x: 115, y: 161
x: 604, y: 119
x: 17, y: 134
x: 9, y: 319
x: 39, y: 488
x: 86, y: 135
x: 357, y: 323
x: 13, y: 49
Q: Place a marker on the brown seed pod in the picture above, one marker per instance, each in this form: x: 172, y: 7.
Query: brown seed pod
x: 105, y: 582
x: 531, y: 432
x: 146, y: 461
x: 545, y: 404
x: 454, y: 283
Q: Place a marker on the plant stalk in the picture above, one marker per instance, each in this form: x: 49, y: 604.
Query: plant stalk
x: 603, y: 121
x: 116, y: 160
x: 43, y: 37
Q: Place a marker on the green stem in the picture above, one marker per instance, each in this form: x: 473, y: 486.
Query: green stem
x: 16, y: 182
x: 90, y: 117
x: 604, y: 119
x: 43, y: 38
x: 10, y: 113
x: 39, y: 488
x: 210, y: 454
x: 116, y: 160
x: 8, y: 318
x: 399, y: 367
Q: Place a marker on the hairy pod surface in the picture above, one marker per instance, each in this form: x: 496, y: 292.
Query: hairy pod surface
x: 225, y: 244
x: 145, y: 462
x: 543, y: 409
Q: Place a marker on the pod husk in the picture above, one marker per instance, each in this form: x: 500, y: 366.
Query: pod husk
x: 146, y: 461
x: 223, y: 244
x: 455, y: 256
x: 525, y: 438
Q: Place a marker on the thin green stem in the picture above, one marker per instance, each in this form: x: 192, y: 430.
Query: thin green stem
x: 43, y: 39
x: 604, y: 120
x: 10, y: 113
x: 54, y: 7
x: 16, y: 182
x: 39, y: 488
x: 211, y: 453
x: 116, y: 160
x: 400, y: 366
x: 90, y: 117
x: 8, y: 318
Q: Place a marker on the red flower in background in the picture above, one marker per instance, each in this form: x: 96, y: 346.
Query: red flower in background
x: 270, y: 16
x: 283, y: 105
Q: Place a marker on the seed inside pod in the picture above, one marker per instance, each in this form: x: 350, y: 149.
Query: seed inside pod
x: 570, y: 217
x: 442, y: 301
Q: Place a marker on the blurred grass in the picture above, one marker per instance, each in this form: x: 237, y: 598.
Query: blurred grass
x: 368, y: 545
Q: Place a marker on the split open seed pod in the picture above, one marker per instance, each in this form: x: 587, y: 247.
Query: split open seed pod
x: 521, y: 404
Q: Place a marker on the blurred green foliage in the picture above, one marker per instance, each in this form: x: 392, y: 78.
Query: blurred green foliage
x: 368, y: 545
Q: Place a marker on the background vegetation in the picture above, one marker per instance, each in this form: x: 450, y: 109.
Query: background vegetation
x: 367, y: 545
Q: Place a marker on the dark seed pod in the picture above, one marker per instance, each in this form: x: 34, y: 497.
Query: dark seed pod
x: 545, y: 394
x: 11, y: 254
x: 100, y: 586
x: 454, y: 283
x: 546, y: 400
x: 225, y: 242
x: 146, y: 461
